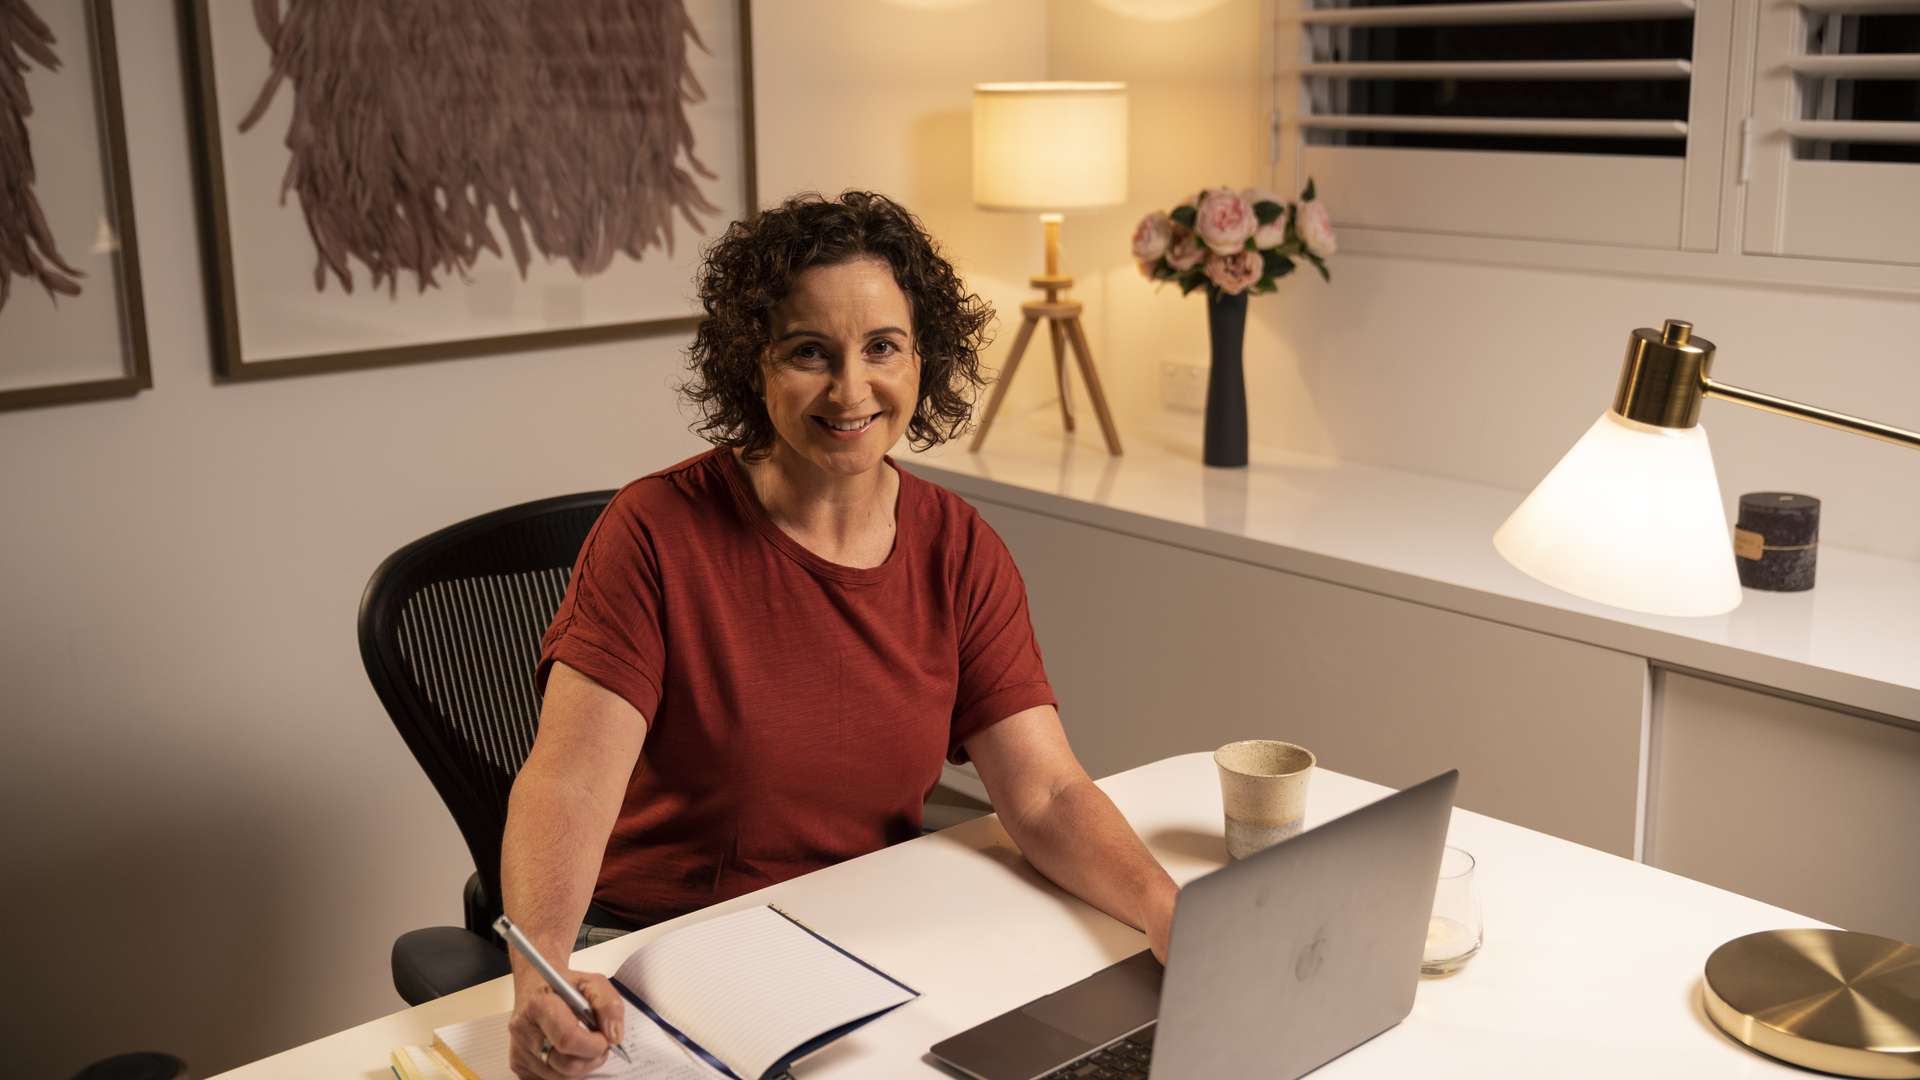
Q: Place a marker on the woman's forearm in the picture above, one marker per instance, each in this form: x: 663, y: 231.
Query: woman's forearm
x: 562, y: 809
x: 1080, y: 841
x: 555, y: 835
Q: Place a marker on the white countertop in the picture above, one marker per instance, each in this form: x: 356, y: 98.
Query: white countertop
x: 1591, y: 966
x: 1853, y: 639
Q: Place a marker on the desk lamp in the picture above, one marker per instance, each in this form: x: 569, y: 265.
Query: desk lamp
x: 1047, y: 147
x: 1631, y: 516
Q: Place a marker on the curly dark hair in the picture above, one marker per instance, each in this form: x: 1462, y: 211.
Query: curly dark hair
x: 751, y: 269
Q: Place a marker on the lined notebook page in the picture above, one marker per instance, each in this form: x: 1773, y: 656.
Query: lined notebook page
x: 481, y: 1047
x: 752, y: 986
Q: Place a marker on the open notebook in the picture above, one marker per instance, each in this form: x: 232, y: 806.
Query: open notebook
x: 742, y: 996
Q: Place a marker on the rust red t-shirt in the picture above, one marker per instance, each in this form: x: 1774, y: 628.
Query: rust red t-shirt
x: 797, y: 710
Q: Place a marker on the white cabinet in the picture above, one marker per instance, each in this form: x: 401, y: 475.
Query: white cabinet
x: 1796, y: 805
x: 1156, y: 650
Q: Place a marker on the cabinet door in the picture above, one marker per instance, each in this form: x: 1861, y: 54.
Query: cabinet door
x: 1156, y: 650
x: 1800, y: 806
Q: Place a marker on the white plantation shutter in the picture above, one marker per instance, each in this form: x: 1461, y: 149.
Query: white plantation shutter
x: 1617, y: 153
x: 1832, y: 144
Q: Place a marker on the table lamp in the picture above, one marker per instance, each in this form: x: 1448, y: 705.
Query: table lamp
x: 1631, y: 516
x: 1047, y: 147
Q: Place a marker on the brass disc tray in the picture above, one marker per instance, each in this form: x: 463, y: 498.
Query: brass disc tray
x: 1833, y: 1000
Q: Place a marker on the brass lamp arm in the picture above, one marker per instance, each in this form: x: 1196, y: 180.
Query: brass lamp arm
x: 1810, y: 413
x: 1665, y: 376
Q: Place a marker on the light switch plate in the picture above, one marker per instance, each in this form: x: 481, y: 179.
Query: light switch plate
x: 1183, y: 387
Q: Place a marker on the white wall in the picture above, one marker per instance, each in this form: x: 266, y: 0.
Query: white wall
x: 213, y: 832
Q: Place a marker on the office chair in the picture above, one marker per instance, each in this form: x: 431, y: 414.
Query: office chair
x: 450, y: 629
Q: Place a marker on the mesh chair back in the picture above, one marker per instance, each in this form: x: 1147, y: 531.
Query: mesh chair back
x: 450, y: 629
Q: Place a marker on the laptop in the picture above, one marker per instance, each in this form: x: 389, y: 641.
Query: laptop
x: 1279, y: 963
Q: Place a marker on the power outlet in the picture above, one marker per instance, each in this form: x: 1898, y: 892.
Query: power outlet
x: 1183, y: 387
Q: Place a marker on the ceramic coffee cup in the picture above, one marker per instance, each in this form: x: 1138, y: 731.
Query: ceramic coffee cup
x: 1263, y: 788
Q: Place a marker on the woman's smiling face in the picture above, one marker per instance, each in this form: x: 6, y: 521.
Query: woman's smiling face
x: 841, y: 377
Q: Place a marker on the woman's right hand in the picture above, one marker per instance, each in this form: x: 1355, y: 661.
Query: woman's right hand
x: 547, y: 1042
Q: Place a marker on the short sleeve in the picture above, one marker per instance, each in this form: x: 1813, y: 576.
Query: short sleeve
x: 609, y: 624
x: 1000, y: 669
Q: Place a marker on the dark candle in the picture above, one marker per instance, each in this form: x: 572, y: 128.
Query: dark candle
x: 1776, y: 540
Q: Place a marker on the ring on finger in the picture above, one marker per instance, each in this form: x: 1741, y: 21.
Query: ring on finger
x: 546, y: 1049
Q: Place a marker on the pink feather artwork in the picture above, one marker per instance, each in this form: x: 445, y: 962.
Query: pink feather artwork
x: 425, y: 135
x: 27, y: 247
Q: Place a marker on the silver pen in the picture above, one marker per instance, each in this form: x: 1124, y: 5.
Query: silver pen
x: 566, y: 991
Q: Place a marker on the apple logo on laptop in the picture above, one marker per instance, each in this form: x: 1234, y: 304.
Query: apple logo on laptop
x: 1312, y: 955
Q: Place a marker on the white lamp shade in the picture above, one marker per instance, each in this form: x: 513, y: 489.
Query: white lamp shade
x: 1049, y: 146
x: 1631, y: 516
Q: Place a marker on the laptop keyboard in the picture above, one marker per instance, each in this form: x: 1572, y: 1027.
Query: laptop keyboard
x: 1124, y: 1060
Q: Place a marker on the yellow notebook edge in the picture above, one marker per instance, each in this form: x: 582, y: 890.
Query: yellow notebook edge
x: 407, y: 1066
x: 452, y: 1060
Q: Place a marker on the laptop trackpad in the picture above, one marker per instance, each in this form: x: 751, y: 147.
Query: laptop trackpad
x: 1107, y: 1004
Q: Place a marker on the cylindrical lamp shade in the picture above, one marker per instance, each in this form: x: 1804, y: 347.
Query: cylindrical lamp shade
x: 1630, y: 517
x: 1049, y: 146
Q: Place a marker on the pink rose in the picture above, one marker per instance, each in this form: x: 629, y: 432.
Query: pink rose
x: 1224, y: 220
x: 1273, y: 233
x: 1315, y: 227
x: 1185, y: 252
x: 1151, y: 236
x: 1234, y: 273
x: 1147, y: 267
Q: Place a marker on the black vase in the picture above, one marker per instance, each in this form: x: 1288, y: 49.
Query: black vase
x: 1225, y: 444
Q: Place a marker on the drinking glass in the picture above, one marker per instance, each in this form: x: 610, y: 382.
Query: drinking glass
x: 1454, y: 931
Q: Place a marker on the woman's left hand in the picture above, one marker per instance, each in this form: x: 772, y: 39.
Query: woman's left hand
x: 1160, y: 923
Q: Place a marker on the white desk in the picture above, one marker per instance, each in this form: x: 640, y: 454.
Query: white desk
x: 1591, y: 966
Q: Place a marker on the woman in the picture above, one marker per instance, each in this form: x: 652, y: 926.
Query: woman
x: 766, y: 651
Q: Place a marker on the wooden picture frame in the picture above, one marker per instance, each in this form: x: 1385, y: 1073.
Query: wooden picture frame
x: 237, y: 317
x: 78, y: 218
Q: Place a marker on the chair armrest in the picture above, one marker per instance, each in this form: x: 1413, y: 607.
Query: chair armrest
x: 438, y: 960
x: 937, y: 816
x: 480, y: 908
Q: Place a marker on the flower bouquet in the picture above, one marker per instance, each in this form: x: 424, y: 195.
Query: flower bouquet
x: 1234, y: 242
x: 1237, y: 244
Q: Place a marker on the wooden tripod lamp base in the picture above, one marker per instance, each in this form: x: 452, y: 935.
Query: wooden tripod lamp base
x: 1067, y: 334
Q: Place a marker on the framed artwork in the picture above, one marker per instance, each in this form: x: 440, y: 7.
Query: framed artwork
x: 72, y: 326
x: 390, y: 183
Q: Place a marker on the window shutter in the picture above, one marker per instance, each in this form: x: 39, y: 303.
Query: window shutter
x: 1562, y: 120
x: 1835, y: 128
